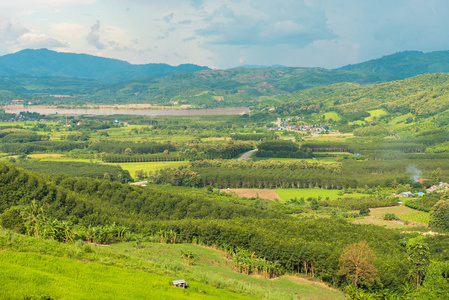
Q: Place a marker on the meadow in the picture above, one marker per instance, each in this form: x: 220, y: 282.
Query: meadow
x: 402, y: 212
x: 287, y: 194
x: 149, y: 167
x: 134, y: 270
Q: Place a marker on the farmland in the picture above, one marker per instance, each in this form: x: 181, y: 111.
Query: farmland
x: 276, y: 226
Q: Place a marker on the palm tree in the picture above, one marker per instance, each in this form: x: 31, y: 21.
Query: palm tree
x: 189, y: 256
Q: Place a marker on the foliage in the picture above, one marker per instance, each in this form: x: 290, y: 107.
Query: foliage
x: 12, y: 219
x: 76, y: 169
x: 436, y: 284
x: 364, y: 211
x: 439, y: 215
x: 390, y: 217
x: 424, y: 203
x: 419, y: 256
x: 281, y: 148
x: 357, y: 264
x: 188, y: 256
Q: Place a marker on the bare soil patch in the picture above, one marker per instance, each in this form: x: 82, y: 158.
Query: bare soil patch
x: 261, y: 193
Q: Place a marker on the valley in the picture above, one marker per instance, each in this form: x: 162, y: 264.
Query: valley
x: 122, y: 197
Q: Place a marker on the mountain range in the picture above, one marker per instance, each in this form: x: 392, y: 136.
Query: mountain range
x: 46, y: 63
x: 36, y: 75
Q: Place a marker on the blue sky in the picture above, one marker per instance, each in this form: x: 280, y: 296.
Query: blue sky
x: 225, y: 34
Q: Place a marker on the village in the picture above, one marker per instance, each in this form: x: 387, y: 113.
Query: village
x: 295, y: 125
x: 439, y: 188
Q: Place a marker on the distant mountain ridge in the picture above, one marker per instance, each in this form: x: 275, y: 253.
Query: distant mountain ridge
x: 47, y: 63
x: 402, y: 65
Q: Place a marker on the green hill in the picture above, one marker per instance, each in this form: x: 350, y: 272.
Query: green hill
x: 35, y: 267
x: 423, y: 96
x: 405, y: 64
x: 47, y: 63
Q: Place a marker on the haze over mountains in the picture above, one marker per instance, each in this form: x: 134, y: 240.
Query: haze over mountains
x: 46, y: 63
x: 36, y: 75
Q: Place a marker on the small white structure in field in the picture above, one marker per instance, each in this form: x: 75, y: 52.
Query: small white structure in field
x: 180, y: 283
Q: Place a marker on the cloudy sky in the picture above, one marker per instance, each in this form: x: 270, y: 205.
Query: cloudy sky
x: 227, y: 33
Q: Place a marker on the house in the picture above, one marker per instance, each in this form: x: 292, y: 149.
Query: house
x: 440, y: 187
x: 180, y: 283
x: 405, y: 194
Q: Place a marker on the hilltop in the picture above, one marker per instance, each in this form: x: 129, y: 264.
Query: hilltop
x: 47, y: 63
x: 405, y: 64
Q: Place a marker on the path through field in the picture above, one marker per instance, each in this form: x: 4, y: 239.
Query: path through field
x: 262, y: 193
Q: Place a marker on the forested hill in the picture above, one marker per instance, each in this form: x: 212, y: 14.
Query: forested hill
x: 405, y: 64
x: 86, y: 79
x: 423, y: 96
x: 48, y: 63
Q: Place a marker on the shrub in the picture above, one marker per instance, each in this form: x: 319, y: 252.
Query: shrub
x: 390, y: 217
x: 12, y: 219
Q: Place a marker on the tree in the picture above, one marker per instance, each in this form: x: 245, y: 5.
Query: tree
x: 12, y: 219
x: 189, y: 256
x: 357, y: 264
x: 364, y: 211
x: 439, y: 215
x: 436, y: 284
x: 419, y: 255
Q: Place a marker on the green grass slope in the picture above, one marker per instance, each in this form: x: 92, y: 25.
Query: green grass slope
x: 36, y: 267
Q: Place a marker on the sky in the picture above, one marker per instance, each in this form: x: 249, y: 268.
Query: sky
x: 227, y: 33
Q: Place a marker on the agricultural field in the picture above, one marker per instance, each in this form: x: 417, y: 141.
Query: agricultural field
x: 254, y: 193
x: 149, y: 167
x: 287, y: 194
x: 402, y: 212
x: 419, y: 217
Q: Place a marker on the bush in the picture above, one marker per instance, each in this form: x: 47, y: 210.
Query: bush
x: 364, y: 211
x: 390, y: 217
x: 12, y: 219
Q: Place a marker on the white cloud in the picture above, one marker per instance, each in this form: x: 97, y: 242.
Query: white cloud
x: 227, y: 33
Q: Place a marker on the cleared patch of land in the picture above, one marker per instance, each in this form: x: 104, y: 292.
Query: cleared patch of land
x: 376, y: 113
x: 376, y: 217
x: 261, y: 193
x: 287, y: 194
x: 44, y: 155
x: 149, y: 166
x: 332, y: 115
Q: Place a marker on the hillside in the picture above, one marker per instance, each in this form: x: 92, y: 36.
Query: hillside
x: 53, y: 269
x: 37, y: 75
x: 47, y: 63
x: 405, y: 64
x: 423, y: 96
x: 206, y: 88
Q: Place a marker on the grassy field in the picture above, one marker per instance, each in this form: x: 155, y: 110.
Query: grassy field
x: 149, y: 166
x: 31, y: 274
x: 35, y: 267
x: 376, y: 216
x: 375, y: 114
x: 332, y: 115
x: 45, y: 155
x: 212, y: 263
x: 287, y: 194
